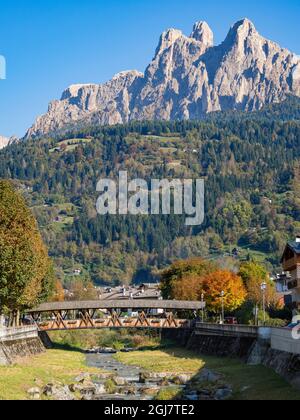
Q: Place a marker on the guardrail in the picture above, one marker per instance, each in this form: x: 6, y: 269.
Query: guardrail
x: 21, y: 333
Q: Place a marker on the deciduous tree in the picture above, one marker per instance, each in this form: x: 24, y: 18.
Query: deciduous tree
x: 224, y: 281
x: 177, y: 280
x: 26, y: 275
x: 254, y: 275
x: 59, y: 293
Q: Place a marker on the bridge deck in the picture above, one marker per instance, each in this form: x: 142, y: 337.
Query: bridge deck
x: 119, y: 304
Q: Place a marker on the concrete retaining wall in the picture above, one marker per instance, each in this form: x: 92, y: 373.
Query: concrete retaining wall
x: 19, y: 342
x: 21, y: 333
x: 282, y: 340
x: 226, y: 330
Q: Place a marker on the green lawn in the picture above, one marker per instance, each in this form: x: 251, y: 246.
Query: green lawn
x: 71, y: 144
x: 172, y: 361
x: 248, y: 382
x: 53, y: 365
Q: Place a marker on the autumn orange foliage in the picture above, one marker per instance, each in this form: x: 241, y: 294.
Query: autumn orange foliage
x: 212, y: 285
x: 59, y: 294
x: 224, y: 281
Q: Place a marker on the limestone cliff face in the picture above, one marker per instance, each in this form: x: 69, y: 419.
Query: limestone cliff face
x: 187, y: 78
x: 4, y: 141
x: 105, y: 104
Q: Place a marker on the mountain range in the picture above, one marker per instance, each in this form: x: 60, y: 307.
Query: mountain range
x: 188, y: 77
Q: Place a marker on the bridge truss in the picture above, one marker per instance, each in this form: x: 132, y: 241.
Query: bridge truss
x: 156, y: 314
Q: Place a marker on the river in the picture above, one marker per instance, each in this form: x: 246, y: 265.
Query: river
x: 133, y: 388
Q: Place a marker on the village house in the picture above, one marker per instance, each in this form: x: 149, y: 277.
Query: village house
x: 291, y: 266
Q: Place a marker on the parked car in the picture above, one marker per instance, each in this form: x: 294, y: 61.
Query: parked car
x: 231, y: 320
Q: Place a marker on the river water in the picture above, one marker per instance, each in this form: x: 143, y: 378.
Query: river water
x: 131, y: 374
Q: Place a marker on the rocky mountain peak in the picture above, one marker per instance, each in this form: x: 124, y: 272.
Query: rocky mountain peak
x: 203, y: 33
x: 73, y: 91
x: 241, y: 31
x: 167, y: 39
x: 244, y: 25
x: 187, y: 78
x: 5, y: 141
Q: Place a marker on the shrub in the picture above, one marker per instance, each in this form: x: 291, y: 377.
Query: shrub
x: 169, y: 394
x: 118, y: 345
x: 110, y: 386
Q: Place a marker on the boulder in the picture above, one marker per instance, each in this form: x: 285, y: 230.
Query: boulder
x: 207, y: 376
x: 144, y: 377
x: 163, y: 383
x: 130, y: 390
x: 58, y: 393
x: 103, y: 376
x: 119, y: 381
x: 150, y: 392
x: 34, y: 393
x: 82, y: 377
x: 223, y: 394
x: 191, y: 396
x: 181, y: 379
x: 84, y: 388
x: 154, y: 377
x: 100, y: 390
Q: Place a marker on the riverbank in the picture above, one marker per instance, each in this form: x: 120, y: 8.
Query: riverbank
x: 63, y: 365
x: 52, y: 366
x: 246, y: 382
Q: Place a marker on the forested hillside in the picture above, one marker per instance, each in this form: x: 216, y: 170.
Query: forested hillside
x: 250, y: 163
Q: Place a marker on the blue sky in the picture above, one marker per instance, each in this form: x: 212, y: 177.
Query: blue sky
x: 51, y: 44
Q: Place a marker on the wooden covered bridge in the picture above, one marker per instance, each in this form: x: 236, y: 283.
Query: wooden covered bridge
x: 154, y: 314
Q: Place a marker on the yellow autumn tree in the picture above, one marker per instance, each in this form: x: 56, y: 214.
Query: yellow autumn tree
x: 58, y: 293
x: 26, y: 273
x: 188, y: 288
x: 225, y: 281
x: 254, y: 275
x: 81, y: 291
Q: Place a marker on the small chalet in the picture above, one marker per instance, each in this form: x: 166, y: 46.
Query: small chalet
x: 291, y: 266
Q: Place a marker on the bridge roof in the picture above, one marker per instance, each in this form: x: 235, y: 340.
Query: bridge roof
x: 118, y: 304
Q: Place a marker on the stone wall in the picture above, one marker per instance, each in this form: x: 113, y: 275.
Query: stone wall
x: 285, y: 364
x: 221, y: 346
x: 10, y: 351
x: 252, y: 350
x: 18, y: 343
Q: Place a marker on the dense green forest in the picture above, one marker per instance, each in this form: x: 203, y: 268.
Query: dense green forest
x: 250, y: 163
